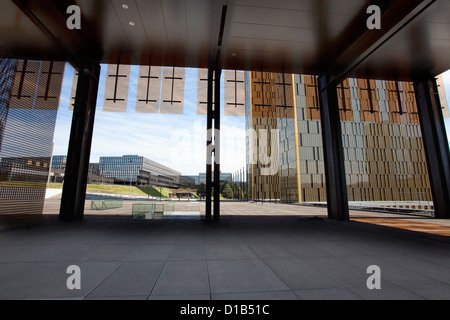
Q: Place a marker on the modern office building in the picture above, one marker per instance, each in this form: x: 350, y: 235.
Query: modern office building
x: 223, y: 176
x: 58, y: 169
x: 59, y: 161
x: 194, y: 179
x: 381, y: 138
x: 188, y: 182
x: 94, y: 176
x: 138, y: 170
x: 126, y: 169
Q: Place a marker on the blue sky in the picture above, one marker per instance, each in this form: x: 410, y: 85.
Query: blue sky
x: 177, y: 141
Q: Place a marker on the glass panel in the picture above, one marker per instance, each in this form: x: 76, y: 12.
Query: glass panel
x: 172, y: 93
x: 116, y: 88
x: 149, y: 88
x: 234, y: 93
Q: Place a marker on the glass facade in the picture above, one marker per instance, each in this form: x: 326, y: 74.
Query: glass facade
x: 222, y: 177
x: 59, y: 162
x: 30, y: 92
x: 138, y: 170
x: 122, y: 169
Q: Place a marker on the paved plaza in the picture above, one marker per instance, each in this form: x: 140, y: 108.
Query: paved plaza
x: 256, y: 251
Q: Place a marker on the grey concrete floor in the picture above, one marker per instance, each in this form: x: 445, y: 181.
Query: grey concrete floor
x: 255, y: 252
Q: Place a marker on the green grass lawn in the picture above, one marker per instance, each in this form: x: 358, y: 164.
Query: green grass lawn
x: 121, y: 189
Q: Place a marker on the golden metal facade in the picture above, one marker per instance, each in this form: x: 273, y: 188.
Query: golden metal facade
x: 383, y: 150
x: 264, y: 118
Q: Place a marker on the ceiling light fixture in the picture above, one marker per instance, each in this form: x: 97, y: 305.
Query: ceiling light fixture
x: 131, y: 23
x: 125, y: 6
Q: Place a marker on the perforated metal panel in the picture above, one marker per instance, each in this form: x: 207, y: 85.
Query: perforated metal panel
x: 31, y: 100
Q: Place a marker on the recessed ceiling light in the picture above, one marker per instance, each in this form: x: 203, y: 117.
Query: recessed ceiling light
x: 125, y: 6
x: 233, y: 54
x: 131, y: 23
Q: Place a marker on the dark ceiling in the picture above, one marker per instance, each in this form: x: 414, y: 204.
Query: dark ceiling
x: 295, y: 36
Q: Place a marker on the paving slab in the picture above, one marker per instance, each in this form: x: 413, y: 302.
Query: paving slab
x: 229, y: 276
x: 130, y: 279
x: 260, y: 252
x: 182, y: 278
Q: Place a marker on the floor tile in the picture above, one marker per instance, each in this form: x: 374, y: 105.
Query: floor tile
x: 297, y: 274
x: 129, y: 279
x: 92, y: 274
x: 242, y: 276
x: 182, y: 278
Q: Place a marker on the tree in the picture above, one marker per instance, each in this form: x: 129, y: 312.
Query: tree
x: 237, y: 192
x: 227, y: 191
x: 226, y: 182
x: 201, y: 191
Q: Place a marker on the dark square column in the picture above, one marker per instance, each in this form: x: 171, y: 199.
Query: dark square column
x: 337, y: 199
x: 435, y: 144
x: 77, y: 165
x: 217, y: 144
x: 209, y: 120
x: 213, y: 82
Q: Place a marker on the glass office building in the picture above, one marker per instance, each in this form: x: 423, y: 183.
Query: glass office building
x: 59, y: 162
x: 138, y: 170
x: 223, y: 176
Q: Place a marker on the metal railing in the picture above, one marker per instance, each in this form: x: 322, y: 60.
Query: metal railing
x: 418, y: 207
x: 106, y: 204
